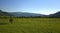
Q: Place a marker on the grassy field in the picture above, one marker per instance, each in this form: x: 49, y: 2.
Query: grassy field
x: 30, y: 25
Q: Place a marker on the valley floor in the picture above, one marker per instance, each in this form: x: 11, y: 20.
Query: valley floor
x: 30, y: 25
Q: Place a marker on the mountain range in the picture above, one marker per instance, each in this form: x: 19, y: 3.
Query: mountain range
x: 18, y: 14
x: 57, y: 14
x: 4, y: 13
x: 25, y: 14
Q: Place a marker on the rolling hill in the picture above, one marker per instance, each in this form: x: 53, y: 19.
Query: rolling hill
x: 57, y: 14
x: 25, y: 14
x: 18, y: 14
x: 2, y: 13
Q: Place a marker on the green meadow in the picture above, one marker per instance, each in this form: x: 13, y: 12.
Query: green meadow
x: 30, y: 25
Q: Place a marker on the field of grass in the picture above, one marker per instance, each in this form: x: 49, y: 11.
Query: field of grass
x: 30, y: 25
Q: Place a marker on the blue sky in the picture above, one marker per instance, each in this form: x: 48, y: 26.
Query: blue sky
x: 31, y: 6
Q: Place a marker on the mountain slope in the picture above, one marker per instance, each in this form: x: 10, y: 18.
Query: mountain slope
x: 25, y: 14
x: 4, y: 13
x: 57, y: 14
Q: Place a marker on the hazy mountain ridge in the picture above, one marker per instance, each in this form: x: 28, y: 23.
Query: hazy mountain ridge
x: 25, y: 14
x: 2, y: 13
x: 57, y: 14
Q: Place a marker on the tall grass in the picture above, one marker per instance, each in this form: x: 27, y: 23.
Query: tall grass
x: 30, y: 25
